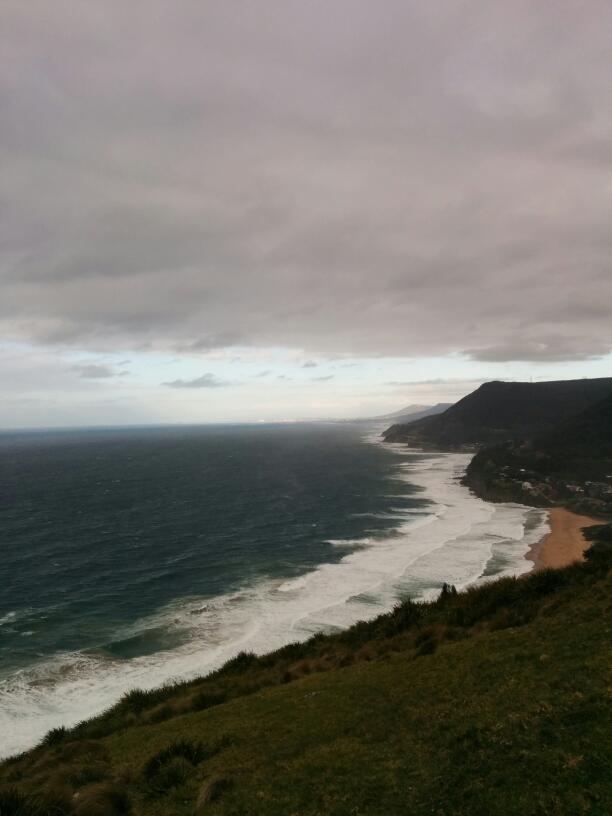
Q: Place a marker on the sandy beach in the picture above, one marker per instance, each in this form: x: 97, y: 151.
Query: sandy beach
x: 565, y: 543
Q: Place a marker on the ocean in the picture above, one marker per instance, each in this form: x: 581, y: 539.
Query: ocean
x: 133, y: 557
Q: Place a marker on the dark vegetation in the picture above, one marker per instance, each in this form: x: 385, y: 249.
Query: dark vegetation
x: 570, y: 464
x: 491, y: 701
x: 601, y: 533
x: 498, y: 412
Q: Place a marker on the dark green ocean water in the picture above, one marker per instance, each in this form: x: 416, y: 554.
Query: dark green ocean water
x: 102, y: 528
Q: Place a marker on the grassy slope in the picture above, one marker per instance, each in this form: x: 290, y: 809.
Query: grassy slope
x: 514, y: 720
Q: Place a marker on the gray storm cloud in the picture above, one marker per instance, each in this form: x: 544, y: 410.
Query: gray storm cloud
x: 345, y: 178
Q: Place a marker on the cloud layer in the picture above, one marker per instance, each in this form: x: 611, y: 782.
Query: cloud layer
x: 205, y: 381
x: 344, y: 178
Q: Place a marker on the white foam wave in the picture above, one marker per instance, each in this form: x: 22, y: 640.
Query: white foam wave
x: 454, y: 541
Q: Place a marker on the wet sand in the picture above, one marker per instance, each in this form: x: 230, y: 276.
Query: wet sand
x: 565, y: 543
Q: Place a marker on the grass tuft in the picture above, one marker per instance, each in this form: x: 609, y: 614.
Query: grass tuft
x: 156, y: 768
x: 54, y: 737
x: 103, y: 799
x: 14, y: 803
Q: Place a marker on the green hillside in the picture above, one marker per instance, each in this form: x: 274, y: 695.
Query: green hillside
x: 570, y: 464
x: 495, y: 701
x: 581, y: 445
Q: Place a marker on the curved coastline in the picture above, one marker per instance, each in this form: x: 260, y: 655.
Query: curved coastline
x: 458, y: 538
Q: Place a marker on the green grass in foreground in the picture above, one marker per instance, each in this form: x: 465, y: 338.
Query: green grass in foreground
x: 493, y: 701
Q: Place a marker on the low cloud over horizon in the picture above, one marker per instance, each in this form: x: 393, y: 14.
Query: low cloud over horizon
x: 346, y: 181
x: 205, y: 381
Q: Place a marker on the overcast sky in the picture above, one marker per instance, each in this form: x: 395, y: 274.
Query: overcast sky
x: 294, y: 208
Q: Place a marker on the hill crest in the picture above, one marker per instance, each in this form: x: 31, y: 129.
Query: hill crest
x: 500, y: 411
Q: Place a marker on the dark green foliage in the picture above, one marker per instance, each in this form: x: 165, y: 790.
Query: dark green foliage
x: 46, y: 803
x: 208, y: 699
x: 160, y: 713
x: 103, y: 799
x: 426, y: 643
x: 172, y: 774
x: 403, y: 617
x: 54, y: 737
x: 85, y: 774
x: 291, y: 652
x: 135, y: 700
x: 54, y: 800
x: 13, y: 803
x: 237, y: 665
x: 601, y: 533
x: 192, y: 752
x: 447, y: 591
x: 599, y: 555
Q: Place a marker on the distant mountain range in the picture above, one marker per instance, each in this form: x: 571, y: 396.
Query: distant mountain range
x: 502, y: 411
x: 411, y: 413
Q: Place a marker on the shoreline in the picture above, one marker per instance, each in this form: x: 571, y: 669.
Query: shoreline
x: 331, y: 593
x: 565, y: 543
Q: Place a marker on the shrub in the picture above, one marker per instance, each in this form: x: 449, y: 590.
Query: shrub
x: 507, y: 618
x: 546, y: 581
x: 54, y: 737
x: 290, y: 652
x: 135, y: 700
x: 404, y: 616
x: 79, y: 749
x: 51, y: 802
x: 426, y: 642
x: 13, y: 803
x: 54, y: 800
x: 170, y: 775
x: 80, y: 775
x: 427, y: 647
x: 598, y: 532
x: 239, y: 664
x: 160, y: 713
x: 599, y: 554
x: 301, y: 669
x: 208, y: 699
x: 477, y: 604
x: 447, y: 591
x: 192, y: 752
x: 103, y: 799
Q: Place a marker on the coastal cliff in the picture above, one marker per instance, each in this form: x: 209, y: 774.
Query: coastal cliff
x: 499, y: 412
